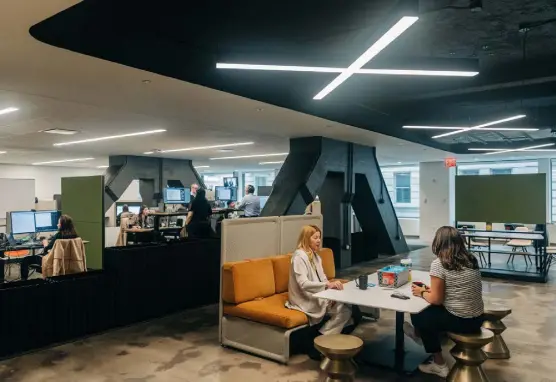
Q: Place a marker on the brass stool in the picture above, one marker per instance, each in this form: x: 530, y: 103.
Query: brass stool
x: 494, y: 314
x: 339, y: 350
x: 469, y: 356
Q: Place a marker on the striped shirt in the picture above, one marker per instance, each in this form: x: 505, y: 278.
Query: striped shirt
x: 463, y: 294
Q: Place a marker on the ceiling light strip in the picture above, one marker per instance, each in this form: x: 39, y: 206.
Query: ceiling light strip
x: 513, y: 118
x: 481, y: 149
x: 401, y: 26
x: 522, y: 149
x: 3, y: 152
x: 250, y: 156
x: 462, y: 128
x: 202, y: 166
x: 148, y: 132
x: 8, y: 110
x: 63, y: 161
x: 208, y: 147
x: 277, y: 162
x: 322, y: 69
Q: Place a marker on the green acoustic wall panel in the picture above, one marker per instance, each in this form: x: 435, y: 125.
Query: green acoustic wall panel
x: 83, y: 200
x: 501, y: 198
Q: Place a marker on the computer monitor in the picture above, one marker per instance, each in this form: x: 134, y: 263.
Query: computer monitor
x: 46, y: 221
x: 133, y: 209
x: 22, y: 222
x: 226, y: 194
x: 174, y: 195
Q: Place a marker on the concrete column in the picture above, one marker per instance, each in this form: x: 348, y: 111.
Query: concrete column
x: 437, y: 198
x: 545, y: 167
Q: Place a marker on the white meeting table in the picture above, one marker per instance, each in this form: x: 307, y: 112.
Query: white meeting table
x: 390, y: 353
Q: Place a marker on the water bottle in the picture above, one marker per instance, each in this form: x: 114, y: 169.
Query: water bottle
x: 407, y: 263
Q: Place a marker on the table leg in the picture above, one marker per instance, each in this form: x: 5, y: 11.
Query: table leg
x: 489, y: 249
x: 399, y: 351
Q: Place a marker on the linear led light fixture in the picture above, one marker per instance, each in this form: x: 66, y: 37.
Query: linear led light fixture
x: 148, y: 132
x: 3, y: 152
x: 521, y: 149
x: 63, y: 161
x: 250, y: 156
x: 202, y: 166
x: 277, y: 162
x: 463, y: 128
x: 482, y: 149
x: 401, y: 26
x: 102, y: 166
x: 320, y: 69
x: 478, y: 127
x: 208, y: 147
x: 8, y: 110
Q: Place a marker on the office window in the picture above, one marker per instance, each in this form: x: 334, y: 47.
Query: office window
x: 263, y: 178
x: 501, y: 171
x: 404, y: 208
x: 403, y: 187
x: 213, y: 180
x: 469, y: 172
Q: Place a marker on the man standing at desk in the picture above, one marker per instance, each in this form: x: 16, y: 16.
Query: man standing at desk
x: 193, y: 194
x: 251, y: 203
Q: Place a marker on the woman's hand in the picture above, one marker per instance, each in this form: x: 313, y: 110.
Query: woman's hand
x: 334, y: 285
x: 417, y: 290
x: 45, y: 243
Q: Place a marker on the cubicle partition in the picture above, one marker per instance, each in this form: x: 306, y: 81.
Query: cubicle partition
x: 83, y: 200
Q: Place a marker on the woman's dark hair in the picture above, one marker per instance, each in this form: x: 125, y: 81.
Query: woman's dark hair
x: 143, y: 208
x: 66, y: 226
x: 201, y: 194
x: 448, y: 245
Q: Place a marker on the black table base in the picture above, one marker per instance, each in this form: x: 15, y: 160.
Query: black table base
x: 393, y: 352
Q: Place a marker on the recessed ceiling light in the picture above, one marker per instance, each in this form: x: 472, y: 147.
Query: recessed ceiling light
x: 320, y: 69
x: 463, y: 128
x: 521, y: 149
x: 3, y: 152
x: 478, y: 127
x: 225, y: 150
x: 63, y: 161
x: 208, y: 147
x: 148, y: 132
x: 202, y: 166
x: 60, y: 131
x: 8, y: 110
x: 102, y: 166
x: 399, y: 162
x: 251, y: 156
x: 277, y: 162
x: 481, y: 149
x: 146, y: 82
x: 401, y: 26
x: 148, y: 152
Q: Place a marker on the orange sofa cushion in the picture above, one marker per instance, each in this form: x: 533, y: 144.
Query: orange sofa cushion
x: 270, y: 310
x: 247, y: 280
x: 281, y: 265
x: 327, y: 257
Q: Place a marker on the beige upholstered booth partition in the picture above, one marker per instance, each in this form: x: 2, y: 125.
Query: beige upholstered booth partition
x: 252, y: 238
x: 290, y: 227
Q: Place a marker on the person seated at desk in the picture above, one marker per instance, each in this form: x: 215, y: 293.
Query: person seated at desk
x: 307, y: 278
x: 251, y: 204
x: 66, y: 230
x: 125, y: 212
x: 142, y: 220
x: 197, y: 221
x: 455, y: 295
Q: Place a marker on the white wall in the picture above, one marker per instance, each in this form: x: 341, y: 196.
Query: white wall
x: 48, y: 180
x: 410, y: 227
x: 436, y: 205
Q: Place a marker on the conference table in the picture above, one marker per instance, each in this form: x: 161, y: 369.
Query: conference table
x: 391, y: 351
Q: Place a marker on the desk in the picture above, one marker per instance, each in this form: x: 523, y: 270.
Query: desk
x: 141, y: 232
x: 392, y: 353
x: 542, y: 262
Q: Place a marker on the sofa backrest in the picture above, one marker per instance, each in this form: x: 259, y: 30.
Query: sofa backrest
x: 247, y: 280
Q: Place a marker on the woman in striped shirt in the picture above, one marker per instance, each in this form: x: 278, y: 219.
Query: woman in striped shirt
x: 455, y: 295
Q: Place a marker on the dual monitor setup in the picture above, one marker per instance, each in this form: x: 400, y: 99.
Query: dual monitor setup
x: 31, y: 222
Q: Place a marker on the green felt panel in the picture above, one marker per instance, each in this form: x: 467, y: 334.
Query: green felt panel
x: 501, y: 198
x: 82, y: 199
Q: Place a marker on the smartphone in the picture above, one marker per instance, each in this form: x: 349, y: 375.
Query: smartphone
x: 400, y: 296
x: 419, y: 284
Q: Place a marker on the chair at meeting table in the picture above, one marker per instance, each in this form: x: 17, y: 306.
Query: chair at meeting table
x: 477, y: 248
x: 522, y: 244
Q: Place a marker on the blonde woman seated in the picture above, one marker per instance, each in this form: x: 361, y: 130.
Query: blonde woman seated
x: 307, y: 277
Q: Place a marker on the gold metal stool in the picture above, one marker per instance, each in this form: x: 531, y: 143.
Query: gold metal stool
x: 494, y: 314
x: 469, y: 356
x: 339, y: 350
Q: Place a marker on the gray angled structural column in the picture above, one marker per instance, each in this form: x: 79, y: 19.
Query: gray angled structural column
x: 153, y: 175
x: 344, y: 176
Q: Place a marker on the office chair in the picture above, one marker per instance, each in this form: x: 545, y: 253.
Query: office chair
x: 522, y: 244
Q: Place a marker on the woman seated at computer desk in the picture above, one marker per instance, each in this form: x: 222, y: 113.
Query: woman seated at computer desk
x: 66, y: 230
